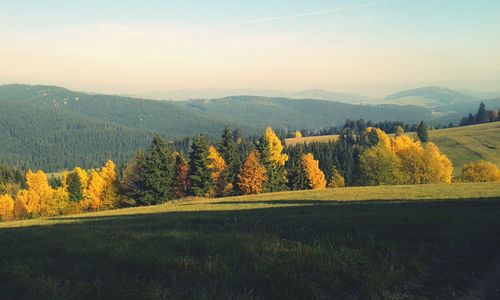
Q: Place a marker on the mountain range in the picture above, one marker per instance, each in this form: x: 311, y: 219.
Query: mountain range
x: 54, y: 128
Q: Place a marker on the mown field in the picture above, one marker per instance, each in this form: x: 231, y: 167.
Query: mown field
x: 404, y: 242
x: 460, y: 144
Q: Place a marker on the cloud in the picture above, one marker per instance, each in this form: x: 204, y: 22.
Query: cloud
x: 313, y: 13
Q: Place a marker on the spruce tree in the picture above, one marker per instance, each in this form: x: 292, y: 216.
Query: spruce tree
x: 228, y: 151
x: 422, y: 133
x: 159, y: 172
x: 133, y: 182
x: 75, y: 187
x: 482, y: 114
x: 199, y: 171
x: 297, y: 177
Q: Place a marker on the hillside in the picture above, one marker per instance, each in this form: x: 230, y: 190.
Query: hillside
x: 304, y: 113
x: 39, y: 137
x: 358, y: 243
x: 446, y: 104
x: 433, y: 97
x: 460, y: 144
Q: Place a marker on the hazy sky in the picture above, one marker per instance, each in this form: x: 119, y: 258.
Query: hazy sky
x: 370, y: 47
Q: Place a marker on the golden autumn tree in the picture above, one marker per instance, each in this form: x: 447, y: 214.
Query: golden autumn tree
x: 420, y: 164
x: 95, y: 188
x: 298, y: 134
x: 376, y: 136
x: 273, y: 159
x: 439, y: 166
x: 39, y: 199
x: 109, y: 195
x: 6, y: 207
x: 217, y: 166
x: 480, y: 171
x: 316, y: 177
x: 252, y: 175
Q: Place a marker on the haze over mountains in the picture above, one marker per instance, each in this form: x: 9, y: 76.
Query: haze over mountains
x: 55, y: 128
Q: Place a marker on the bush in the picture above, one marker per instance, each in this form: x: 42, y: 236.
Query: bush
x: 480, y: 171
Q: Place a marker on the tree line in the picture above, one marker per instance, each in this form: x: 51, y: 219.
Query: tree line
x: 482, y: 116
x: 232, y: 166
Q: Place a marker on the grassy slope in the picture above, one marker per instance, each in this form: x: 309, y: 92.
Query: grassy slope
x: 312, y: 244
x: 460, y: 144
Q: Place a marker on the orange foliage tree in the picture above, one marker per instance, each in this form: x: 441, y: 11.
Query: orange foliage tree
x: 6, y: 207
x: 252, y: 175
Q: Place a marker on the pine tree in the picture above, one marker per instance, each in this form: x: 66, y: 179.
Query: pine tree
x: 252, y: 175
x: 422, y: 133
x: 199, y: 171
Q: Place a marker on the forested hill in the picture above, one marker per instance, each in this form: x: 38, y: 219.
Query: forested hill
x: 43, y: 138
x: 54, y: 128
x: 303, y: 113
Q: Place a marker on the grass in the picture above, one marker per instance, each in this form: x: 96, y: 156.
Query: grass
x: 430, y: 241
x: 460, y: 144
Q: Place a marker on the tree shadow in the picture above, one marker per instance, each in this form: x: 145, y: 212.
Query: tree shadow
x: 324, y: 249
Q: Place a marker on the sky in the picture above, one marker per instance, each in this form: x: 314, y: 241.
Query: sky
x: 139, y: 47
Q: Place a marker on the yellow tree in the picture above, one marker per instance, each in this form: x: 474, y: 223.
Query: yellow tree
x: 480, y: 171
x: 316, y: 177
x: 95, y: 189
x: 375, y: 136
x: 439, y: 167
x: 273, y: 158
x: 109, y: 195
x: 275, y: 148
x: 217, y: 166
x: 298, y: 134
x: 252, y: 175
x: 39, y: 199
x: 411, y: 156
x: 6, y: 207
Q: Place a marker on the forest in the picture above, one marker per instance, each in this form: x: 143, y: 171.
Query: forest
x: 234, y: 165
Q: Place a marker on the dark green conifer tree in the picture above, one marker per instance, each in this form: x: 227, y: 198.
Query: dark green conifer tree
x: 159, y: 173
x: 422, y: 133
x: 75, y: 187
x: 199, y: 172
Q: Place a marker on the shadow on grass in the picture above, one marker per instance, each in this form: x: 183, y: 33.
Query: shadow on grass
x: 331, y: 249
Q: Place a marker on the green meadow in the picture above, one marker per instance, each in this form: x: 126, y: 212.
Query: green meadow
x: 387, y: 242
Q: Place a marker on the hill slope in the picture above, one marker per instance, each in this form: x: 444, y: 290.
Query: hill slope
x: 43, y: 138
x: 329, y: 243
x: 304, y: 113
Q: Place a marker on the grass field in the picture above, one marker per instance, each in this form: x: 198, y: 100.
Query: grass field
x: 460, y: 144
x: 404, y: 242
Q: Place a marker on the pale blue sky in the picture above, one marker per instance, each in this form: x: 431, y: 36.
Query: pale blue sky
x: 360, y: 46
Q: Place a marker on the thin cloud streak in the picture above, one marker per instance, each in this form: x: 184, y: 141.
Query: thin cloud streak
x: 312, y: 13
